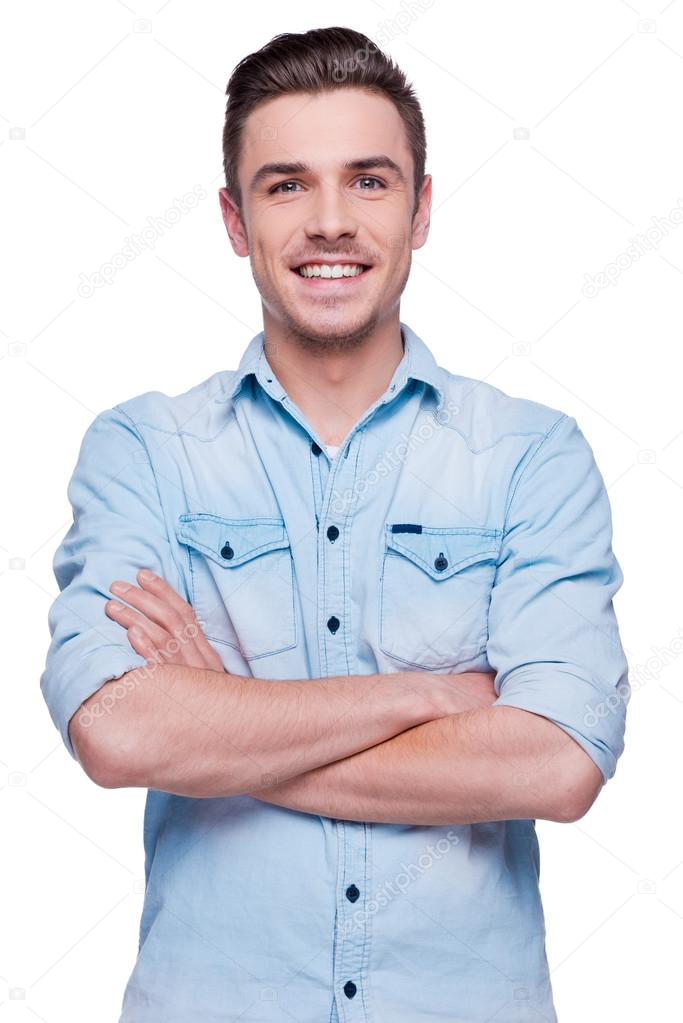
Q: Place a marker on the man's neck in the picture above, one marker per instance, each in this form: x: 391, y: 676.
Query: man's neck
x: 334, y: 388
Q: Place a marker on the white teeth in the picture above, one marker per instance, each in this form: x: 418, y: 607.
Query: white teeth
x: 325, y: 270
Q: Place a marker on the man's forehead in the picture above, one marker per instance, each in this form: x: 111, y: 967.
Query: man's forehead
x: 346, y: 115
x: 323, y: 130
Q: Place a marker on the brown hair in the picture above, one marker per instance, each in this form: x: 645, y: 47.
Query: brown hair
x: 316, y: 61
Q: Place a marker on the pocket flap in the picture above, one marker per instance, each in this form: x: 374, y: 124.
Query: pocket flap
x: 231, y: 542
x: 441, y: 552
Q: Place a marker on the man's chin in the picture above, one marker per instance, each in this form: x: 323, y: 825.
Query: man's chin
x: 332, y: 329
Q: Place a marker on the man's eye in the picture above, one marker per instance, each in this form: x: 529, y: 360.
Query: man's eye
x: 377, y: 182
x: 273, y: 190
x: 286, y: 190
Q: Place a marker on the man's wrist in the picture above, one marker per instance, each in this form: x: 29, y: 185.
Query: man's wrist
x: 419, y: 696
x: 432, y: 695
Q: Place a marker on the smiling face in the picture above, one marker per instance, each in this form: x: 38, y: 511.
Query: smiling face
x: 327, y: 180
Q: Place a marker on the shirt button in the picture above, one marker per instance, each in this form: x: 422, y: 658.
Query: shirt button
x: 333, y: 624
x: 441, y: 562
x: 332, y: 533
x: 227, y: 552
x: 352, y: 893
x: 315, y: 448
x: 350, y: 989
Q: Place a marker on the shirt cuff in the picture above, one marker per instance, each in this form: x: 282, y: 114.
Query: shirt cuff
x: 590, y: 712
x: 65, y: 691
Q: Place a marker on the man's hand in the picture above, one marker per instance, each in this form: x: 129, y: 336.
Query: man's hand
x: 197, y: 730
x: 162, y: 627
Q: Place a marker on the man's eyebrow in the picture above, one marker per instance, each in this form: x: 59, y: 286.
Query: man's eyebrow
x: 376, y: 163
x: 365, y: 163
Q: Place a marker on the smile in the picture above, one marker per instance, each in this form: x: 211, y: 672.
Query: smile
x: 330, y: 271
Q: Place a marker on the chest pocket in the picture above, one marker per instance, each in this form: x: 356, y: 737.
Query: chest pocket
x: 241, y: 581
x: 435, y: 589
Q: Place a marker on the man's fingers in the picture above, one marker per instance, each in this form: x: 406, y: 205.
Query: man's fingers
x: 143, y: 646
x: 164, y: 592
x: 159, y: 603
x: 130, y: 618
x: 178, y: 649
x: 158, y: 587
x: 154, y: 605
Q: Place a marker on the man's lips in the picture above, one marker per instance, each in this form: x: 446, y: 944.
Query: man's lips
x: 328, y: 281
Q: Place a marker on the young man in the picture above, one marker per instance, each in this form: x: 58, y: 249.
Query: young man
x: 378, y: 641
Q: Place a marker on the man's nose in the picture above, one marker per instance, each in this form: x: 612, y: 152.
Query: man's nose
x: 332, y: 213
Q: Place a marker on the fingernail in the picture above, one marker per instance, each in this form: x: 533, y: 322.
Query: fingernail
x: 146, y: 575
x: 115, y: 606
x: 119, y: 587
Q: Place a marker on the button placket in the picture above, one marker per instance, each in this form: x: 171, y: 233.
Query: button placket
x: 352, y: 885
x: 332, y: 575
x: 352, y: 892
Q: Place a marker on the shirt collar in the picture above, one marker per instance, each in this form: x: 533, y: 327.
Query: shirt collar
x: 418, y: 363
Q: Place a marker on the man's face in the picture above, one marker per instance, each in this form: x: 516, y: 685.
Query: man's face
x: 324, y: 212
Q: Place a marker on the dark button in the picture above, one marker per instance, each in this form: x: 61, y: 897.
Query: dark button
x: 333, y: 624
x: 315, y: 448
x: 352, y: 893
x: 350, y: 989
x: 441, y: 563
x: 227, y: 551
x: 332, y: 533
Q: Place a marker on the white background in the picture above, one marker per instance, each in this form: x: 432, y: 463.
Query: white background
x: 554, y: 139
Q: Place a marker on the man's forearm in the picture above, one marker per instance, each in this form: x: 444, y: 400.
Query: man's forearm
x: 495, y: 763
x: 199, y: 732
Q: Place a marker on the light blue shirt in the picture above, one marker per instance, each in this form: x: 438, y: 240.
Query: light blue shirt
x: 457, y: 528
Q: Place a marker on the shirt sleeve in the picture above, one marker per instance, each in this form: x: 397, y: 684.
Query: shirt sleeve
x: 117, y: 528
x: 553, y: 636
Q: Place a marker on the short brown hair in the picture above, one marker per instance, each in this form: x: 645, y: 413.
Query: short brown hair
x: 317, y: 61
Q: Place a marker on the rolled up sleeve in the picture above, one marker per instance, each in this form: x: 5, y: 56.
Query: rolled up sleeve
x: 553, y: 636
x: 117, y: 529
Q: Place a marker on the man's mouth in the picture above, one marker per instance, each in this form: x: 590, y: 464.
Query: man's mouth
x: 330, y: 271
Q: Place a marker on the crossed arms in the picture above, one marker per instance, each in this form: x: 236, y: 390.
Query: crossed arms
x: 414, y: 747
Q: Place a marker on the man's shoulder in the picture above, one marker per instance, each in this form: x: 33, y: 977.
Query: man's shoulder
x: 192, y: 412
x: 485, y: 414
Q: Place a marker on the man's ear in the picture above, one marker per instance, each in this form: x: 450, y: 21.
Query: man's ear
x: 233, y: 223
x: 421, y: 218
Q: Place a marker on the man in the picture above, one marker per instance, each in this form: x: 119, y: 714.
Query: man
x: 377, y: 641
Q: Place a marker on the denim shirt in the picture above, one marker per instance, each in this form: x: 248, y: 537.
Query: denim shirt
x: 457, y: 528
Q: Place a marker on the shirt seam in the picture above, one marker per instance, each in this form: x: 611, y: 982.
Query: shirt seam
x: 513, y: 492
